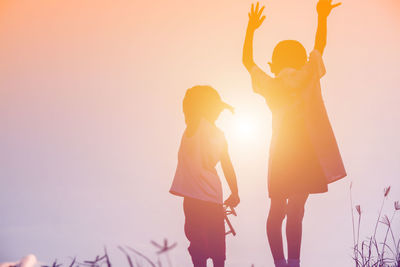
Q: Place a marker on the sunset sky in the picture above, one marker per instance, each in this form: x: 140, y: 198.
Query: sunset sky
x: 91, y: 119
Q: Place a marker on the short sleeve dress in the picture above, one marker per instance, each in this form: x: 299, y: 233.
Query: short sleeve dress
x: 304, y: 156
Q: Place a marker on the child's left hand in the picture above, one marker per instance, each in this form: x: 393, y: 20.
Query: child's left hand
x: 324, y: 7
x: 233, y: 200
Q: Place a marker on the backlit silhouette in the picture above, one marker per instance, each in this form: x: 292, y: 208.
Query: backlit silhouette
x: 304, y: 156
x: 203, y: 145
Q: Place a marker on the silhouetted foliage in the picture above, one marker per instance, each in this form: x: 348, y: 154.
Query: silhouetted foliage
x: 370, y: 252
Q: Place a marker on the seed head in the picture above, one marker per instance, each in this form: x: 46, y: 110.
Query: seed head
x: 385, y: 220
x: 358, y: 208
x: 386, y: 191
x: 397, y: 205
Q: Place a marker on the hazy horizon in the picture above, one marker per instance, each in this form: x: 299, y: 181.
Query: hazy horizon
x: 91, y: 117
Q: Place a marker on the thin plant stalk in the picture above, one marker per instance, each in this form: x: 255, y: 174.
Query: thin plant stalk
x: 386, y: 235
x: 358, y: 232
x: 143, y: 256
x: 352, y: 221
x: 386, y: 192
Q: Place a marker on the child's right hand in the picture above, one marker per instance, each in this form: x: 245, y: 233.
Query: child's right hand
x: 255, y: 19
x: 324, y: 7
x: 233, y: 200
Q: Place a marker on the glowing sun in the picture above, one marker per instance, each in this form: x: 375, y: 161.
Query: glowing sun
x: 245, y: 126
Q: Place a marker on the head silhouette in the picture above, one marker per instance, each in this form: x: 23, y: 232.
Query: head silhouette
x: 288, y: 54
x: 202, y: 101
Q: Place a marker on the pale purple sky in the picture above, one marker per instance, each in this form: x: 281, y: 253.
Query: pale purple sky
x: 90, y: 108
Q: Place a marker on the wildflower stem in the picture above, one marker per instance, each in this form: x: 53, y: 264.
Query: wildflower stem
x: 352, y: 221
x: 379, y: 217
x: 358, y: 234
x: 386, y: 235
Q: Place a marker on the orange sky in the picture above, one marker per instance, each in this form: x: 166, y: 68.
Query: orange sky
x: 90, y: 106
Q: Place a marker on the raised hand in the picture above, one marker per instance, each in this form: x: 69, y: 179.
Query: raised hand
x: 324, y: 7
x: 255, y: 18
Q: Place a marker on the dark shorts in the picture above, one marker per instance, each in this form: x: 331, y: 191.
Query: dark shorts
x: 205, y: 229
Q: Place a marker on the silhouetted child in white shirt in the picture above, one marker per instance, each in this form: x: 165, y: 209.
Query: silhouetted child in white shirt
x: 203, y: 145
x: 304, y: 156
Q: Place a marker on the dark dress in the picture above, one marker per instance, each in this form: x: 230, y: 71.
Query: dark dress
x: 294, y: 167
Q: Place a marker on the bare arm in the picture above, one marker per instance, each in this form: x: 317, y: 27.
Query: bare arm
x: 255, y: 21
x: 230, y: 177
x: 324, y: 8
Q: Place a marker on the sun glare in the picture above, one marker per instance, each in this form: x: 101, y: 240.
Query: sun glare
x: 245, y: 127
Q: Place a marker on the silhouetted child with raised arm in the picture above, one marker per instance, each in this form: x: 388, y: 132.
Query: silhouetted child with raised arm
x: 304, y: 156
x: 203, y: 145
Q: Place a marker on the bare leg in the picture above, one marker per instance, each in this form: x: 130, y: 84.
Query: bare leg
x: 199, y: 262
x: 218, y: 263
x: 276, y: 215
x: 295, y: 213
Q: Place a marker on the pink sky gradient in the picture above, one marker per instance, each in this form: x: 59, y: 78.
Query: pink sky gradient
x: 90, y: 109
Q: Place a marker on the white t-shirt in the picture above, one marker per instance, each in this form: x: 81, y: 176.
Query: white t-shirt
x: 195, y: 175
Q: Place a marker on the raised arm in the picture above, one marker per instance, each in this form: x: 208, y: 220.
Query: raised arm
x: 255, y: 21
x: 230, y: 177
x: 324, y: 8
